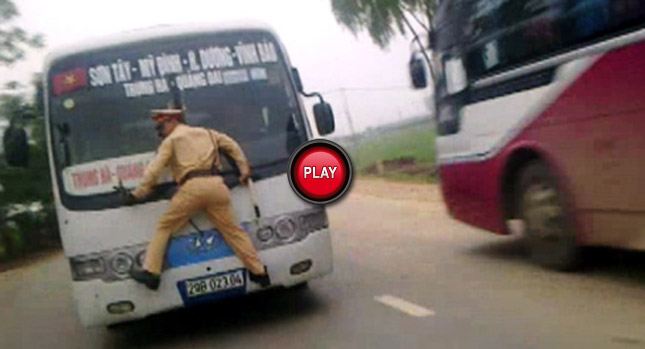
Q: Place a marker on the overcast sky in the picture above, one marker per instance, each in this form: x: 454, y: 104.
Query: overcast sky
x: 328, y: 56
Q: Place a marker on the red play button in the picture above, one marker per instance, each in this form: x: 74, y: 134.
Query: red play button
x: 320, y: 171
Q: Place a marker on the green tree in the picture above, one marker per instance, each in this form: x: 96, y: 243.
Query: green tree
x: 24, y: 186
x: 14, y: 40
x: 14, y: 139
x: 23, y: 229
x: 11, y: 105
x: 384, y: 18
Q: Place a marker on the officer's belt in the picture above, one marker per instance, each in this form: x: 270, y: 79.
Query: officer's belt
x: 197, y: 173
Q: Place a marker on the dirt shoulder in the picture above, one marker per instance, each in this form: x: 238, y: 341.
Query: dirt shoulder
x: 395, y: 190
x: 30, y: 258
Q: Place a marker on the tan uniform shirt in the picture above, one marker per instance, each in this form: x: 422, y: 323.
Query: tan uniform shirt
x: 187, y: 149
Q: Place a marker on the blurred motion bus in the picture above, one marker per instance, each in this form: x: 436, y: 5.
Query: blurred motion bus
x: 235, y: 78
x: 539, y: 105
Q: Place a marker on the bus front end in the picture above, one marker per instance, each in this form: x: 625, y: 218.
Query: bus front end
x: 234, y: 79
x: 292, y: 239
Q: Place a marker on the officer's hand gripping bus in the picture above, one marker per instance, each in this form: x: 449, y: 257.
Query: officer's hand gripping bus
x: 234, y: 78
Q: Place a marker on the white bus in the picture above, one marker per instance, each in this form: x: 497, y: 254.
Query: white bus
x: 235, y: 78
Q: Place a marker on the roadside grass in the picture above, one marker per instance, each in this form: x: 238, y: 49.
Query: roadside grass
x: 417, y: 142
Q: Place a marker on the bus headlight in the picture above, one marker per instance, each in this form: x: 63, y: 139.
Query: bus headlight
x: 109, y: 266
x: 121, y: 263
x: 313, y: 221
x: 265, y: 233
x: 84, y: 269
x: 285, y: 228
x: 141, y: 257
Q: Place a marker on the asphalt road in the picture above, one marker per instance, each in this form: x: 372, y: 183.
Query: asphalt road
x: 389, y: 239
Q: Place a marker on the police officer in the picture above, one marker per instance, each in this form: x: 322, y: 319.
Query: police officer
x: 192, y: 154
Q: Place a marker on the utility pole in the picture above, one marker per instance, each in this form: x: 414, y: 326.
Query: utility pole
x: 349, y: 118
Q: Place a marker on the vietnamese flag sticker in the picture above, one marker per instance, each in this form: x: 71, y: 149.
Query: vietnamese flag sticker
x: 69, y: 81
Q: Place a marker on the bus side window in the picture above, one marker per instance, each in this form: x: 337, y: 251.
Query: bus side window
x: 540, y: 32
x: 484, y: 53
x: 626, y: 12
x: 588, y: 20
x: 508, y: 33
x: 589, y: 17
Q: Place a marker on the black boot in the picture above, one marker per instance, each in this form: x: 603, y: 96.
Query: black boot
x: 147, y: 278
x: 262, y: 280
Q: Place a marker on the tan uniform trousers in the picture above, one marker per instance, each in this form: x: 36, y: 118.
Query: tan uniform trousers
x: 208, y: 194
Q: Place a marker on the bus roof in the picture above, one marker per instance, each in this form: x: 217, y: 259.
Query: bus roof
x: 142, y: 34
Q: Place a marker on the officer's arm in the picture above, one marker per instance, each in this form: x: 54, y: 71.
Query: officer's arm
x: 154, y: 169
x: 234, y: 150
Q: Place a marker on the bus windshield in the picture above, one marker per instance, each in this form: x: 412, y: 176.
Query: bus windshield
x: 236, y: 83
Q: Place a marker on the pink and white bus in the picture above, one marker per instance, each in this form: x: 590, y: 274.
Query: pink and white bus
x: 539, y: 109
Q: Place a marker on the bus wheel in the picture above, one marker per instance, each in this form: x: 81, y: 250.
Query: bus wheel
x: 549, y: 234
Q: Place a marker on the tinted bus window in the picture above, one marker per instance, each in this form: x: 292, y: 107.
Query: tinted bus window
x: 100, y: 101
x: 505, y: 34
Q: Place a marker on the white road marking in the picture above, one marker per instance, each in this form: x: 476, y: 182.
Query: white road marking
x: 404, y: 306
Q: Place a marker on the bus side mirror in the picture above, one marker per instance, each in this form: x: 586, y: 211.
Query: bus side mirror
x: 297, y: 80
x: 324, y: 116
x: 417, y: 71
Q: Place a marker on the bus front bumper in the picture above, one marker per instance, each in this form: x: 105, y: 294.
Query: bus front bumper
x: 93, y: 298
